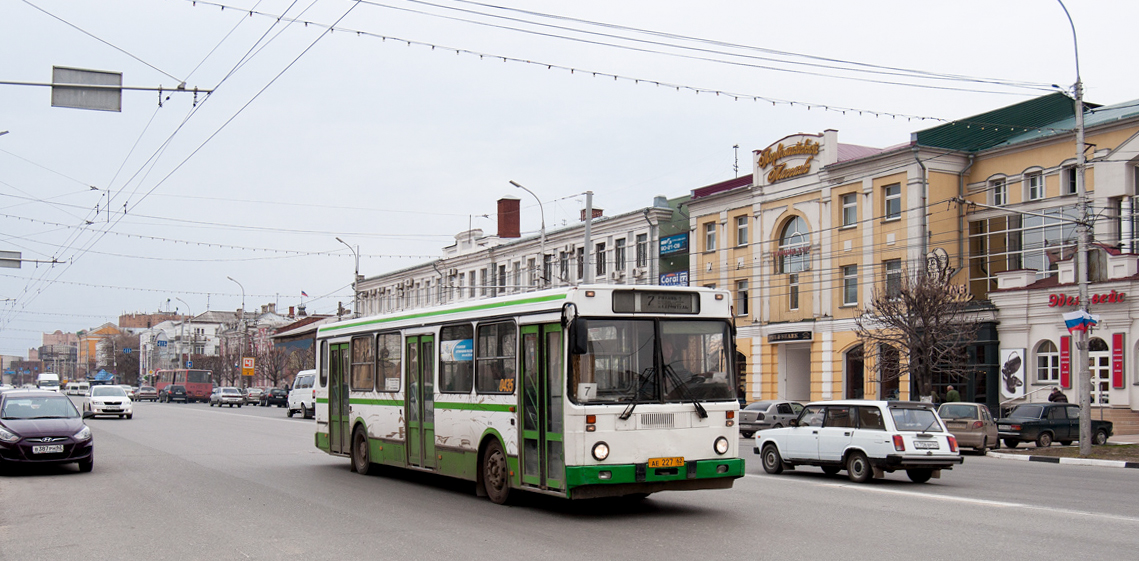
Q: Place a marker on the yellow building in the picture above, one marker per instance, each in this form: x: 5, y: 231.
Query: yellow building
x: 824, y: 224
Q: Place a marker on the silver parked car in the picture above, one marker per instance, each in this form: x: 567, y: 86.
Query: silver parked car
x: 767, y: 415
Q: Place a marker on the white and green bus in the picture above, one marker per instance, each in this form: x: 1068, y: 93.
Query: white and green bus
x: 590, y: 391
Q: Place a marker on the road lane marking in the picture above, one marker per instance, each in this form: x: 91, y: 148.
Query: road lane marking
x: 951, y: 498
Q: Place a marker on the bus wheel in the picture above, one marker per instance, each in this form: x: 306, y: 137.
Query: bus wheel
x: 495, y: 473
x: 361, y: 458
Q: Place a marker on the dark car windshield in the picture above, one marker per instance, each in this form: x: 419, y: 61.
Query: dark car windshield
x: 38, y: 407
x: 1027, y: 411
x: 957, y: 411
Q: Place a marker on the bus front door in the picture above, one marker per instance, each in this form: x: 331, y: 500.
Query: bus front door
x: 420, y: 404
x: 339, y: 421
x: 543, y: 458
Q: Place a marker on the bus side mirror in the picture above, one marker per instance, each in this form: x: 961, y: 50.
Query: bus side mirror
x: 579, y: 337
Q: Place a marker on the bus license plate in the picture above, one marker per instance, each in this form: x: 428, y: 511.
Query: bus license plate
x: 926, y: 444
x: 666, y: 462
x: 51, y: 449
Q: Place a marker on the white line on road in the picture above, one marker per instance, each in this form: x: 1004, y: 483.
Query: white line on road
x: 967, y: 500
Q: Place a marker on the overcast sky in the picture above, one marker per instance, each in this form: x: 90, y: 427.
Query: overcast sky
x: 396, y: 147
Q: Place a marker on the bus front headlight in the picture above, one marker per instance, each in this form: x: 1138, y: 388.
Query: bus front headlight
x: 721, y: 446
x: 601, y: 451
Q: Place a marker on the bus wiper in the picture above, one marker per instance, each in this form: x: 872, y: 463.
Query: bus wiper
x: 684, y: 390
x: 645, y: 376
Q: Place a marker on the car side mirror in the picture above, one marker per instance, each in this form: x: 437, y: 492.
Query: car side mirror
x: 793, y: 422
x: 88, y: 414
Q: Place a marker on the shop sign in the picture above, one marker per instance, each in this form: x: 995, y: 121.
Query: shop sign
x: 674, y: 244
x: 790, y: 336
x: 674, y: 279
x: 779, y: 170
x: 1066, y: 361
x: 801, y: 250
x: 1063, y: 300
x: 1117, y: 360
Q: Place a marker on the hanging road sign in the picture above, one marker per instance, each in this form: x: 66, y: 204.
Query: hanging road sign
x: 86, y: 89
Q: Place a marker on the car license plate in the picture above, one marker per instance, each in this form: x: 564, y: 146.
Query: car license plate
x: 50, y: 449
x: 926, y: 444
x: 666, y: 462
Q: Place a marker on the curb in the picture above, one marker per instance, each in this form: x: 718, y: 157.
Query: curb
x: 1068, y: 461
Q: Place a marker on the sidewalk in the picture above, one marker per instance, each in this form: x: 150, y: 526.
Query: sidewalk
x: 1116, y: 439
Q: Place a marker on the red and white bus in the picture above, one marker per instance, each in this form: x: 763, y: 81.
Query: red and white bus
x: 198, y: 383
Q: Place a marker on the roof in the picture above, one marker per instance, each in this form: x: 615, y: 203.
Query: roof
x: 709, y: 190
x: 296, y: 328
x: 1102, y: 115
x: 855, y: 152
x: 996, y: 127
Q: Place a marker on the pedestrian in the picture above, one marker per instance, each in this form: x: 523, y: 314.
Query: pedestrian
x: 952, y: 395
x: 1057, y: 396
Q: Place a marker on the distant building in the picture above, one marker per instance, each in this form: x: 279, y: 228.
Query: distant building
x: 139, y: 321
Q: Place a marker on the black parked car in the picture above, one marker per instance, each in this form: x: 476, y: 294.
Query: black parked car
x: 42, y: 427
x: 173, y: 393
x: 275, y: 396
x: 1046, y: 423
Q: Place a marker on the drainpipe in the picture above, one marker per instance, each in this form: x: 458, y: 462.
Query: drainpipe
x: 962, y: 233
x: 442, y: 280
x: 924, y: 205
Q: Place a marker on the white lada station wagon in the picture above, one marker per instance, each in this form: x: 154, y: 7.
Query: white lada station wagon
x: 866, y: 438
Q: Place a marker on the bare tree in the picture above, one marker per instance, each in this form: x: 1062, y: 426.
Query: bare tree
x: 124, y: 361
x: 271, y: 364
x: 301, y: 359
x: 918, y: 324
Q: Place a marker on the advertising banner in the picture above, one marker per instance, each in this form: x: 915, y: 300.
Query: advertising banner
x: 1012, y: 373
x: 674, y: 279
x: 674, y: 244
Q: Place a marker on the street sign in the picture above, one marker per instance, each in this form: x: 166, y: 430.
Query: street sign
x: 86, y: 89
x: 10, y: 259
x: 189, y: 364
x: 127, y: 351
x: 247, y: 366
x: 161, y: 343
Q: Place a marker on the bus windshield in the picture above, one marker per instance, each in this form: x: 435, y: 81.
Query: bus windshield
x: 634, y: 360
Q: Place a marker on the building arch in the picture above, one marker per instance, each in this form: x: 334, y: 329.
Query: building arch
x: 793, y: 245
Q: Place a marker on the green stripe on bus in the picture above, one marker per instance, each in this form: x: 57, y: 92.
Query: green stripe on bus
x: 473, y: 406
x: 487, y: 306
x: 362, y: 401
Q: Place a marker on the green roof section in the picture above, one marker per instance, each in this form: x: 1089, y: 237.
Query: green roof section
x: 979, y: 132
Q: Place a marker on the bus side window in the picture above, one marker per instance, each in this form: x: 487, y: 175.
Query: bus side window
x: 324, y: 364
x: 496, y: 357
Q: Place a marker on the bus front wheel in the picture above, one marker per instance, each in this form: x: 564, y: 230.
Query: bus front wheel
x: 361, y: 457
x: 496, y: 473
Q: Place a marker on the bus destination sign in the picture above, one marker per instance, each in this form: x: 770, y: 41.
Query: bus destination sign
x: 627, y: 301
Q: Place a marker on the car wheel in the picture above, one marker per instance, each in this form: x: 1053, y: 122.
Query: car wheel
x: 309, y: 413
x: 831, y: 470
x: 304, y: 411
x: 1011, y: 443
x: 772, y: 461
x: 130, y: 415
x: 289, y: 413
x: 239, y: 406
x: 919, y: 475
x: 361, y: 455
x: 1044, y: 440
x: 1100, y: 437
x: 85, y: 466
x: 496, y: 474
x: 858, y: 467
x: 746, y: 433
x: 1065, y: 442
x: 121, y: 416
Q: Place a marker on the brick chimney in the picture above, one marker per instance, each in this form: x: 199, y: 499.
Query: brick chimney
x: 508, y: 218
x: 596, y: 214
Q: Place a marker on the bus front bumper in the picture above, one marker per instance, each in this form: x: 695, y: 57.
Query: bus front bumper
x: 626, y: 479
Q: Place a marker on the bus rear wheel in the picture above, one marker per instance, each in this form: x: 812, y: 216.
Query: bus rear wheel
x: 361, y: 456
x: 496, y: 473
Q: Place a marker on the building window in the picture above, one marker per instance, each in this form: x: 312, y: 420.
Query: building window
x: 741, y: 298
x: 1008, y: 243
x: 482, y: 281
x: 1000, y: 192
x: 794, y: 247
x: 619, y: 255
x: 1047, y: 363
x: 563, y: 265
x: 599, y: 267
x: 532, y: 271
x: 850, y: 209
x: 710, y: 236
x: 501, y: 279
x: 741, y: 230
x: 517, y: 276
x: 1068, y: 179
x: 547, y: 265
x: 893, y: 278
x: 850, y: 285
x: 580, y: 263
x: 793, y: 291
x: 642, y: 250
x: 893, y: 200
x: 1035, y: 184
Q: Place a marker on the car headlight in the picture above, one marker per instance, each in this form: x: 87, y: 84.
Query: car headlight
x: 83, y: 434
x: 7, y: 436
x: 600, y: 451
x: 721, y: 446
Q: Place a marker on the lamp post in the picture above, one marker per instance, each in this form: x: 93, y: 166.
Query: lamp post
x: 244, y: 330
x: 355, y: 279
x: 542, y: 243
x: 1083, y: 378
x: 182, y: 339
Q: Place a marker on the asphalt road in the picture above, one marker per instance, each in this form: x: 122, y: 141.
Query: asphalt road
x: 194, y: 482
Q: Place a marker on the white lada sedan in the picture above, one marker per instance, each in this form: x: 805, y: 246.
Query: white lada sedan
x: 866, y: 438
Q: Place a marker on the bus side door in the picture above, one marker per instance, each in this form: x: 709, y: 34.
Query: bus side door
x: 420, y: 404
x: 542, y: 450
x: 339, y: 420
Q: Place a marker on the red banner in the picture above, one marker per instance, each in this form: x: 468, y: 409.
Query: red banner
x: 1066, y: 361
x: 1117, y: 360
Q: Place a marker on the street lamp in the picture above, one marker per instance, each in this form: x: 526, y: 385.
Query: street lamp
x: 355, y: 279
x: 541, y: 210
x: 244, y: 330
x: 182, y: 339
